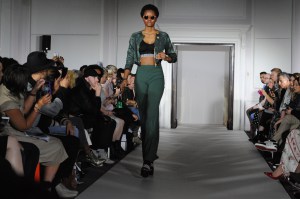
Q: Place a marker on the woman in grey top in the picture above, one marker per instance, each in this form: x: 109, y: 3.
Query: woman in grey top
x: 12, y: 104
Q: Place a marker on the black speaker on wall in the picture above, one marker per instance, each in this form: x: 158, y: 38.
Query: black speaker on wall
x: 46, y: 42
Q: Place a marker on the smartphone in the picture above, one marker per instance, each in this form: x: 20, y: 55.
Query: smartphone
x: 47, y: 88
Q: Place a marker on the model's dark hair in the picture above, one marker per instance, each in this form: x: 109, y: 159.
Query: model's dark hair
x: 15, y: 79
x: 150, y: 7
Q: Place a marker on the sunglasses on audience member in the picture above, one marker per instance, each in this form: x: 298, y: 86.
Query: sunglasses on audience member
x: 147, y: 17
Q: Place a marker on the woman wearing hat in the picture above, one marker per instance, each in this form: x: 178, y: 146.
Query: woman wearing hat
x: 12, y: 104
x: 147, y: 48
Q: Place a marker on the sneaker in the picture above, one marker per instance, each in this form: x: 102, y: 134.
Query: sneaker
x: 267, y: 146
x: 94, y: 160
x: 102, y: 155
x: 64, y: 192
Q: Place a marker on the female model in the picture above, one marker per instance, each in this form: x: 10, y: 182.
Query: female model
x: 147, y: 48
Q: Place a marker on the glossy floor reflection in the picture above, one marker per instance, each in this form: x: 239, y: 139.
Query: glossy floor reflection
x: 195, y: 162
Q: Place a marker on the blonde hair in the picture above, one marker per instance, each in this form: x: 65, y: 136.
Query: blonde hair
x: 111, y: 69
x: 72, y: 75
x: 105, y: 71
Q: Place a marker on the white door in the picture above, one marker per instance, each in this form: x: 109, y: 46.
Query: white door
x: 203, y: 83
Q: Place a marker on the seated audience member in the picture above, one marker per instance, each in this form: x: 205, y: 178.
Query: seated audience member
x: 30, y: 151
x: 290, y: 157
x: 12, y: 104
x: 128, y: 97
x: 121, y: 110
x: 253, y: 110
x: 107, y: 109
x: 70, y: 142
x: 10, y: 149
x: 284, y: 83
x: 13, y: 184
x: 4, y: 63
x: 85, y: 102
x: 279, y: 104
x: 66, y: 84
x: 267, y: 125
x: 289, y: 122
x: 267, y: 110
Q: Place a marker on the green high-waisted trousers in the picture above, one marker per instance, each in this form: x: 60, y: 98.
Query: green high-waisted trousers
x: 149, y: 88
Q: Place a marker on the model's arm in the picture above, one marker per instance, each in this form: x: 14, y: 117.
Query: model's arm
x: 130, y: 55
x: 129, y: 60
x: 172, y: 56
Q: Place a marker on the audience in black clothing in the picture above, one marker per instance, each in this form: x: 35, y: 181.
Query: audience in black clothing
x: 48, y: 102
x: 85, y: 102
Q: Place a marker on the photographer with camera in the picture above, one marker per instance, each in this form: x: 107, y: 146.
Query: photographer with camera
x: 45, y: 80
x: 12, y: 92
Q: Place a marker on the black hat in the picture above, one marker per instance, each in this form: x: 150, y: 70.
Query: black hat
x: 37, y: 61
x: 90, y: 71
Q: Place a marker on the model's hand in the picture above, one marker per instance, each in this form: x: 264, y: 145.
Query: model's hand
x: 161, y: 55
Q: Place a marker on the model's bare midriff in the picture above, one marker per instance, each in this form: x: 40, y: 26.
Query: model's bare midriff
x: 147, y: 61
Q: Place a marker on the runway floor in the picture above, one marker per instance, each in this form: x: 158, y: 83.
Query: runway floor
x: 195, y: 162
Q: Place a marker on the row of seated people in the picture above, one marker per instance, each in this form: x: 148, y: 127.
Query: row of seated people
x: 49, y: 109
x: 275, y: 122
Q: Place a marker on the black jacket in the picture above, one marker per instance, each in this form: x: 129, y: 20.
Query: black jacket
x: 83, y: 101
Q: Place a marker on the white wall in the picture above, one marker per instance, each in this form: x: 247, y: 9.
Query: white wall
x: 75, y: 29
x: 15, y: 28
x: 272, y: 36
x: 83, y: 32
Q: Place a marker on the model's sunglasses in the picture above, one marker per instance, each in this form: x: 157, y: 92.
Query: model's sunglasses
x: 147, y: 17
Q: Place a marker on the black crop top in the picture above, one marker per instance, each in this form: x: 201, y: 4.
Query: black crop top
x: 146, y: 48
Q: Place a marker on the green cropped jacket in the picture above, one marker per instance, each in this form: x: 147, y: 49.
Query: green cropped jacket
x: 162, y: 43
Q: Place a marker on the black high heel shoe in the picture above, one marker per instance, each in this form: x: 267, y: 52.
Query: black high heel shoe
x: 147, y: 170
